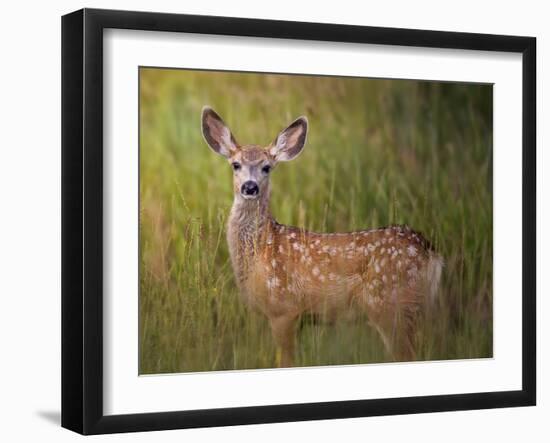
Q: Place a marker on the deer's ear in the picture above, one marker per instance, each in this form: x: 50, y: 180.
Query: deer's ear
x: 291, y: 141
x: 217, y: 134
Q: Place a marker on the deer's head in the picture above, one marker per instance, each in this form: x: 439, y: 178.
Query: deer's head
x: 252, y: 164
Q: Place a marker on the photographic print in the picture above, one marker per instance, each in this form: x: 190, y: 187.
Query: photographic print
x: 302, y: 220
x: 254, y: 209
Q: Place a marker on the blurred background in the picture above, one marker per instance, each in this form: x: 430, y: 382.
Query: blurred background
x: 379, y: 152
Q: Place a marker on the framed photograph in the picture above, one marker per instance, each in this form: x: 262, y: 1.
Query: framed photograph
x: 269, y: 221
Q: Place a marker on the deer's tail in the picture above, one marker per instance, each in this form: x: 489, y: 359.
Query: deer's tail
x: 434, y: 269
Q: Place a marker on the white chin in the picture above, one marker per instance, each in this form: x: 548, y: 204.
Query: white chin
x: 250, y: 197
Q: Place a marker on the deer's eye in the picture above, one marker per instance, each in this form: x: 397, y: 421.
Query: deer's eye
x: 266, y: 169
x: 236, y: 166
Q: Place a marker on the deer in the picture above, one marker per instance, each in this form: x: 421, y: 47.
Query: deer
x: 285, y: 272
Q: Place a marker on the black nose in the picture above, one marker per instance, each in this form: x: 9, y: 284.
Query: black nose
x: 249, y: 188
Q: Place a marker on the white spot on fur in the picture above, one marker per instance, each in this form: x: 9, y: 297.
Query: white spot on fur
x: 272, y: 282
x: 281, y: 249
x: 274, y: 263
x: 332, y: 276
x: 376, y: 267
x: 411, y: 250
x: 315, y: 271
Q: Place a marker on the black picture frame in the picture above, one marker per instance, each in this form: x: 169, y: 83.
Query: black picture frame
x: 82, y: 220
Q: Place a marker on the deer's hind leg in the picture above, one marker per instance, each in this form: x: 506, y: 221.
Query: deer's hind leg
x: 396, y: 323
x: 398, y: 334
x: 283, y: 328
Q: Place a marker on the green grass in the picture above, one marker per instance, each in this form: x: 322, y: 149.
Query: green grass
x: 378, y: 152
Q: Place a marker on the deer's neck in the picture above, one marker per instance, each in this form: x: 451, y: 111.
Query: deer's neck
x: 250, y: 223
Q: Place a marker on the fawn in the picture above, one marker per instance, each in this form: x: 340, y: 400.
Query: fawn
x: 284, y: 271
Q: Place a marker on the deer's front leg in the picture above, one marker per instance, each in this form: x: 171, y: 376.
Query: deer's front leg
x: 283, y: 329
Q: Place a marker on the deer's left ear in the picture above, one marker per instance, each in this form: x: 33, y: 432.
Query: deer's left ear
x: 291, y: 141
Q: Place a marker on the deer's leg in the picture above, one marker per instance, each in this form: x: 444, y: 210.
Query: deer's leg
x: 396, y: 324
x: 404, y: 343
x: 386, y: 339
x: 283, y: 329
x: 398, y: 336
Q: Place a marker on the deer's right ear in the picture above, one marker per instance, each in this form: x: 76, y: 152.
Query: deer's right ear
x: 217, y: 134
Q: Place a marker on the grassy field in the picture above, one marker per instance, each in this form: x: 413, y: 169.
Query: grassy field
x: 378, y: 152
